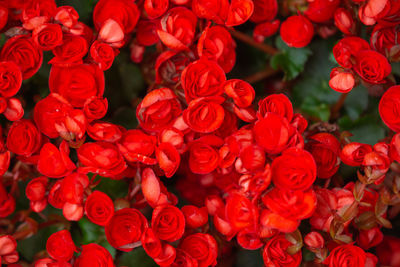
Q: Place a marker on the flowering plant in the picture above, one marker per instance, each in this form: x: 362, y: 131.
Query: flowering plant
x: 199, y: 133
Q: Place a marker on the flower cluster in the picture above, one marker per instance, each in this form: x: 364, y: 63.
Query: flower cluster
x: 254, y: 176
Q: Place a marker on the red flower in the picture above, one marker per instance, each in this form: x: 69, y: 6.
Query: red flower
x: 102, y: 158
x: 202, y: 78
x: 388, y: 251
x: 103, y: 54
x: 394, y: 151
x: 177, y: 28
x: 369, y: 238
x: 77, y: 83
x: 201, y: 247
x: 158, y: 109
x: 55, y: 162
x: 203, y: 158
x: 67, y: 16
x: 353, y: 153
x: 276, y: 103
x: 372, y: 66
x: 22, y: 51
x: 321, y: 10
x: 146, y: 32
x: 7, y: 202
x: 99, y: 208
x: 124, y: 12
x: 344, y: 21
x: 211, y: 10
x: 325, y: 149
x: 23, y: 138
x: 275, y: 253
x: 10, y: 79
x: 50, y: 112
x: 240, y: 91
x: 347, y: 48
x: 3, y: 16
x: 386, y: 40
x: 151, y: 243
x: 125, y: 229
x: 155, y: 8
x: 272, y: 132
x: 217, y: 44
x: 295, y: 169
x: 195, y: 217
x: 36, y: 188
x: 342, y: 80
x: 265, y: 30
x: 47, y: 36
x: 183, y: 259
x: 240, y: 211
x: 168, y: 223
x: 264, y: 10
x: 314, y: 240
x: 71, y: 51
x: 136, y: 146
x: 239, y: 12
x: 94, y: 255
x: 168, y: 158
x: 389, y: 108
x: 204, y: 114
x: 346, y: 256
x: 95, y: 108
x: 293, y: 205
x: 8, y: 250
x: 154, y: 191
x: 104, y: 131
x: 60, y: 246
x: 297, y: 31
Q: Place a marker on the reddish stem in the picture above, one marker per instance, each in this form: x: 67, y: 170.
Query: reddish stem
x: 248, y: 40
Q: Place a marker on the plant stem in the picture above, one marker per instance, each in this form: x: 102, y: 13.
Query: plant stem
x: 248, y: 40
x: 337, y: 106
x: 261, y: 75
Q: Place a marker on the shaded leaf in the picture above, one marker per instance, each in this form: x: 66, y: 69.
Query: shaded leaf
x: 356, y: 102
x: 290, y: 60
x: 136, y: 257
x: 367, y: 129
x: 113, y: 188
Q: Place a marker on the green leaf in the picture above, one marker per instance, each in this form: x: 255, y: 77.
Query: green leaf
x: 28, y: 247
x: 312, y: 87
x: 367, y: 129
x: 113, y: 188
x: 136, y: 257
x: 396, y: 68
x: 91, y: 233
x: 249, y: 258
x: 316, y: 108
x: 110, y: 249
x: 291, y: 60
x: 356, y: 102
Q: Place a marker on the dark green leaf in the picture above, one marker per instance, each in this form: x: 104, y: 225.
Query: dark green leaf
x: 135, y: 258
x: 290, y: 60
x: 249, y: 258
x: 316, y: 108
x: 367, y: 129
x: 356, y: 102
x: 312, y: 87
x: 36, y: 243
x: 113, y: 188
x: 91, y: 233
x: 396, y: 68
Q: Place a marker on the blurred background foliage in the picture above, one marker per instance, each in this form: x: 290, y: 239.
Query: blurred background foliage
x: 302, y: 74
